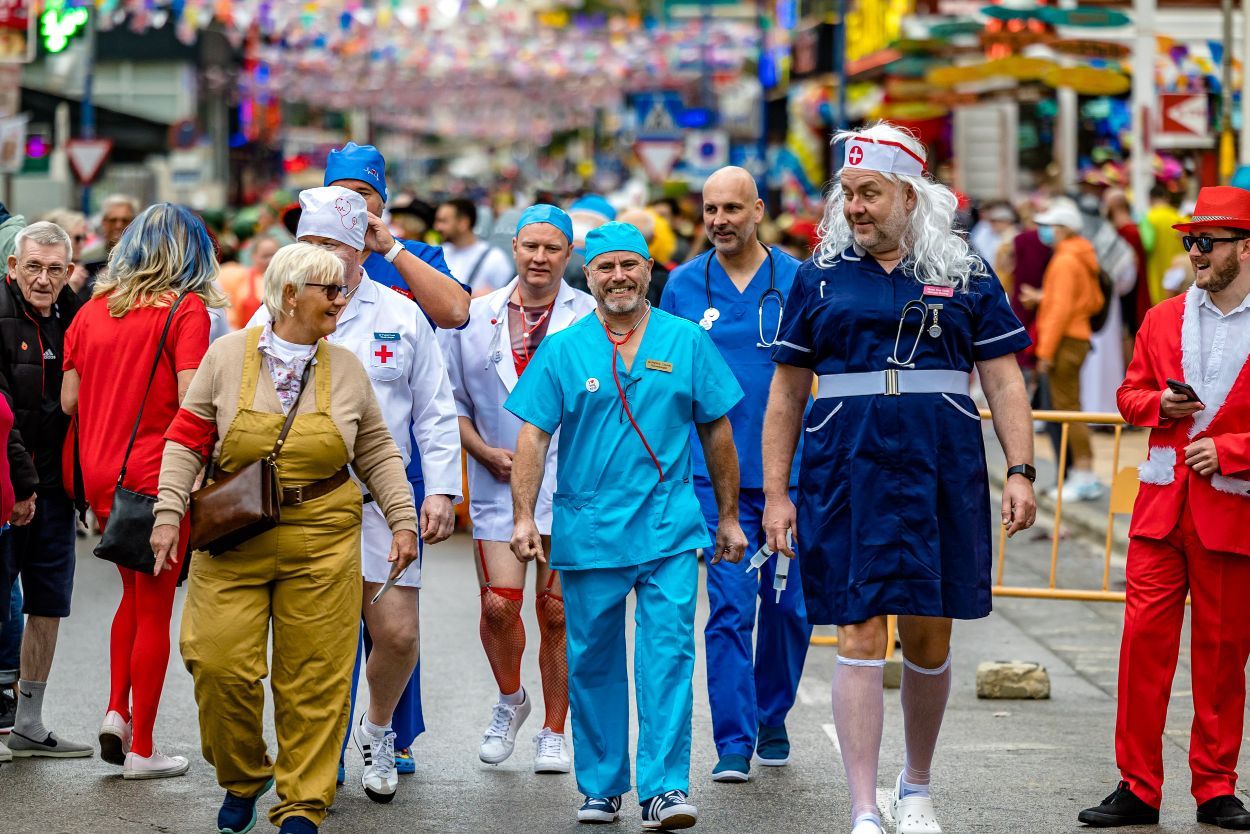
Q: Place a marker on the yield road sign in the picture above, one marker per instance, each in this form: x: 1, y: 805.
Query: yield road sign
x: 659, y: 156
x: 87, y: 156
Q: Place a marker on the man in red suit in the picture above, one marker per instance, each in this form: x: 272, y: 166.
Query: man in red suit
x: 1188, y: 531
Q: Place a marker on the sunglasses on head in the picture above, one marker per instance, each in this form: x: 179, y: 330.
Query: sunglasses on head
x: 332, y: 291
x: 1206, y: 244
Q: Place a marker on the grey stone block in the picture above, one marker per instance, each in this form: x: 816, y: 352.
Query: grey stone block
x: 1012, y: 680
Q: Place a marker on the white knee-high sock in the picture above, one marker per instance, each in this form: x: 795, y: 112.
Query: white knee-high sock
x: 858, y: 715
x: 923, y: 694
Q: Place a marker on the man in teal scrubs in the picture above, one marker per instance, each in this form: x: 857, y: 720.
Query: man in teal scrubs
x: 624, y: 387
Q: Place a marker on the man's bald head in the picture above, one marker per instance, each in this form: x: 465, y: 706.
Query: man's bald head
x: 732, y: 210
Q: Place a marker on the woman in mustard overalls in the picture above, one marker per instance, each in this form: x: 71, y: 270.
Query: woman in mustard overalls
x: 304, y: 575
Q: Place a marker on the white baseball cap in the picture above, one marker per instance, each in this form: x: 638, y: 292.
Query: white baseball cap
x: 333, y: 212
x: 1061, y: 212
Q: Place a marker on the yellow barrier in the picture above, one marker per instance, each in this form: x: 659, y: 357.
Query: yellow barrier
x: 1123, y: 494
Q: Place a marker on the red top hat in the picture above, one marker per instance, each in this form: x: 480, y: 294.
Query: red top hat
x: 1220, y: 207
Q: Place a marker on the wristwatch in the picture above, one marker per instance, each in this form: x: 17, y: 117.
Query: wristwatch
x: 1025, y: 469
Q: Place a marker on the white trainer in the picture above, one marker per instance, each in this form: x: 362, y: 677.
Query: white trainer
x: 868, y: 825
x: 500, y: 737
x: 551, y: 753
x: 6, y: 755
x: 115, y: 737
x: 156, y: 766
x: 379, y: 779
x: 914, y: 814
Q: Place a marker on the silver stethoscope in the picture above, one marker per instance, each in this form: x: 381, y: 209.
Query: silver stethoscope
x: 934, y: 330
x: 711, y: 314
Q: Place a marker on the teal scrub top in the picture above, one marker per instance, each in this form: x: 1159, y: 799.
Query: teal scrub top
x: 611, y: 509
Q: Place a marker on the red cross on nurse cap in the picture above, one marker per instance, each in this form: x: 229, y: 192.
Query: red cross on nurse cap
x: 884, y: 155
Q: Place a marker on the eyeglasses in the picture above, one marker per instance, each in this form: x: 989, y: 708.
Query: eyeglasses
x: 332, y: 291
x: 33, y: 269
x: 625, y: 392
x: 1206, y: 244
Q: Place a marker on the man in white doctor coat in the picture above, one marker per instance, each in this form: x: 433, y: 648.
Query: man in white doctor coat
x: 391, y: 337
x: 485, y: 359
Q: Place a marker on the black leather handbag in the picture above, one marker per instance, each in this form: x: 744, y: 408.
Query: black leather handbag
x: 127, y: 538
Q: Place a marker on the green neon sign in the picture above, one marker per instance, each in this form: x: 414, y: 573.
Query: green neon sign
x: 58, y: 25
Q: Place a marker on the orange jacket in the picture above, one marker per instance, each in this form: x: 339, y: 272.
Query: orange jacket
x: 1070, y: 295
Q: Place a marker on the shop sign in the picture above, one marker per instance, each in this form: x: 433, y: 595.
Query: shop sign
x: 1087, y: 48
x: 1089, y: 81
x: 17, y: 32
x: 1088, y: 16
x: 1184, y: 116
x: 873, y: 25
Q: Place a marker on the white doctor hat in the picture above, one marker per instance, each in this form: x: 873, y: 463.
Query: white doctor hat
x: 333, y: 212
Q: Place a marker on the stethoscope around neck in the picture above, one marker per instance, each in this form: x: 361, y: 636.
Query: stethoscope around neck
x: 711, y: 314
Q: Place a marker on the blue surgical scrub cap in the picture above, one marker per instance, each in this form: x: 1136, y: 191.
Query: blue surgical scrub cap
x: 594, y: 203
x: 545, y: 213
x: 615, y: 237
x: 357, y: 162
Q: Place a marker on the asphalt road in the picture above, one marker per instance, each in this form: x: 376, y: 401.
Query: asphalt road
x: 1001, y: 767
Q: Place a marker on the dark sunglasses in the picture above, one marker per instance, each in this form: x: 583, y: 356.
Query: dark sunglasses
x: 1206, y: 244
x: 332, y: 291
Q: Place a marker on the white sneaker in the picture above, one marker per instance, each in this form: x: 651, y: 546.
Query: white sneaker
x: 500, y: 737
x: 156, y: 766
x: 115, y: 737
x: 379, y: 779
x: 550, y: 752
x: 6, y: 755
x: 1082, y: 486
x: 913, y: 814
x: 868, y: 825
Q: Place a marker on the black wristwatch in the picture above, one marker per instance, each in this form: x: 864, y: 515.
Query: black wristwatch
x: 1024, y: 469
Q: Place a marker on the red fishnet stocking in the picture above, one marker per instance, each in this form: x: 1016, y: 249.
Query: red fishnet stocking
x: 553, y: 660
x: 503, y: 635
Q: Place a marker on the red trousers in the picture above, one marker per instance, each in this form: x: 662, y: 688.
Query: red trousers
x: 1160, y: 574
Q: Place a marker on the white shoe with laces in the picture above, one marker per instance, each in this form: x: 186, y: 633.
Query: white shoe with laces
x: 379, y: 778
x: 551, y: 752
x: 500, y: 738
x: 115, y: 736
x: 156, y: 766
x: 6, y: 755
x: 914, y: 814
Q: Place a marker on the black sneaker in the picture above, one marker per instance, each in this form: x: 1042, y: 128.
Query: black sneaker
x: 1226, y: 812
x: 669, y: 811
x: 1123, y: 807
x: 600, y: 809
x: 8, y: 709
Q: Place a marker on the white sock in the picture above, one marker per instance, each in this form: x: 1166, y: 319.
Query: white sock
x: 515, y: 699
x: 375, y: 730
x: 867, y: 824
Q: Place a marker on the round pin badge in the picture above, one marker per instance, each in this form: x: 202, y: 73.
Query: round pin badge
x: 711, y: 314
x: 592, y: 385
x: 706, y: 324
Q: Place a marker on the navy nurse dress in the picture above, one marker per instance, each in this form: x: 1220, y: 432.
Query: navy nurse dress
x: 893, y: 511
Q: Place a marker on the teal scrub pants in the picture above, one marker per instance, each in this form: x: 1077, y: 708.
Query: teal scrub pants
x: 594, y: 615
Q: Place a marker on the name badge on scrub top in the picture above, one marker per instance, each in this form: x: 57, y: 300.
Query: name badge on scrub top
x: 657, y: 365
x: 942, y: 292
x: 384, y: 359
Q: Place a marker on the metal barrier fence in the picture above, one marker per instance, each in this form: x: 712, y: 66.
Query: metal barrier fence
x: 1122, y: 495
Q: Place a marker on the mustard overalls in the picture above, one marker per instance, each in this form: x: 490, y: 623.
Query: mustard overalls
x: 304, y: 575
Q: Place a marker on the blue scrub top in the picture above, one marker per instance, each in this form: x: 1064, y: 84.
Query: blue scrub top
x: 736, y: 335
x: 610, y: 508
x: 894, y: 507
x: 385, y: 273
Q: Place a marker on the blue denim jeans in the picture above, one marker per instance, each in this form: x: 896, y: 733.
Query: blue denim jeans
x: 11, y: 639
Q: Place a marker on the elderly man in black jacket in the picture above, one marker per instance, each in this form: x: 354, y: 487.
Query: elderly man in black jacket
x: 36, y: 308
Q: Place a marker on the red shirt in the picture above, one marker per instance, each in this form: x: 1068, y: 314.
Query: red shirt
x: 6, y: 485
x: 113, y: 358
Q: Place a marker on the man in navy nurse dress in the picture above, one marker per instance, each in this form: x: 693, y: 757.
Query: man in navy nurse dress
x: 891, y: 317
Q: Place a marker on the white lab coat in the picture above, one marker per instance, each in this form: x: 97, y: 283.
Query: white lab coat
x: 392, y: 339
x: 479, y: 363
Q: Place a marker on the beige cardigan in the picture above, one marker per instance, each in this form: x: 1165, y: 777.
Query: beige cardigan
x: 214, y: 398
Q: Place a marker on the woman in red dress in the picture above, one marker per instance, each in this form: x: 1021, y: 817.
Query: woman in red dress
x: 109, y: 350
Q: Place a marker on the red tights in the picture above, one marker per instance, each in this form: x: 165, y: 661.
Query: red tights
x: 139, y: 650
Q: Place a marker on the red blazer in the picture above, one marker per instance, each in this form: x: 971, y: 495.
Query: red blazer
x: 1168, y: 346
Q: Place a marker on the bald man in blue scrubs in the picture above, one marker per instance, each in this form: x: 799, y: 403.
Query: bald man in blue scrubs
x: 625, y: 386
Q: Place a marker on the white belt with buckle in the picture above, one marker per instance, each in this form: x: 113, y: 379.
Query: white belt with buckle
x: 892, y: 382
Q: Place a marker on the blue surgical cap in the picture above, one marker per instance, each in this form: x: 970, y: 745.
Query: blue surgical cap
x: 615, y: 237
x: 594, y: 203
x: 357, y: 162
x: 546, y: 213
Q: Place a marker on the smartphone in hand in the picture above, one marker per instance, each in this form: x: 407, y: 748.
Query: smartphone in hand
x: 1184, y: 389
